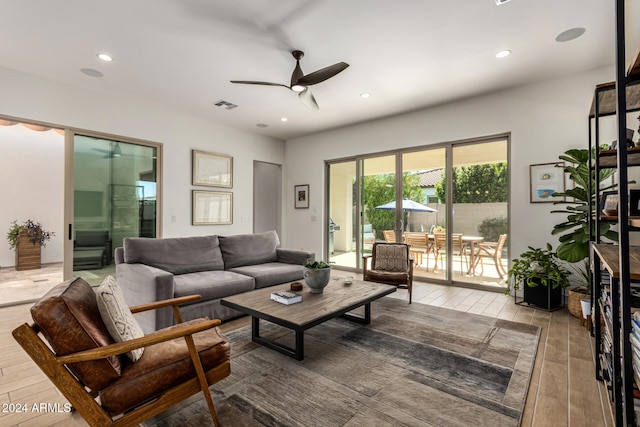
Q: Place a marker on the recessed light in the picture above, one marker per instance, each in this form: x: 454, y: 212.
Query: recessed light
x: 105, y: 57
x: 570, y: 34
x: 262, y: 125
x: 365, y: 95
x: 91, y: 72
x: 503, y: 53
x: 283, y: 119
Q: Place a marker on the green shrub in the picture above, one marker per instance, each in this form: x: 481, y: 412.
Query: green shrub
x: 492, y: 228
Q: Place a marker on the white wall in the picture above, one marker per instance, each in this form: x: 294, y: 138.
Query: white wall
x: 544, y: 120
x: 32, y: 176
x: 32, y: 98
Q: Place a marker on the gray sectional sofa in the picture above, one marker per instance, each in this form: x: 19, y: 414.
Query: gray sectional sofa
x: 212, y: 266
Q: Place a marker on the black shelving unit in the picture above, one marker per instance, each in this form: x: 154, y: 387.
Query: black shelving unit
x: 616, y: 267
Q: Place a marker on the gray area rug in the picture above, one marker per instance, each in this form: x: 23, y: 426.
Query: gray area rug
x: 414, y: 365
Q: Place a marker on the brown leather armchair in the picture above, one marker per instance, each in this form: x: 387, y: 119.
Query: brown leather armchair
x: 390, y: 264
x: 83, y: 361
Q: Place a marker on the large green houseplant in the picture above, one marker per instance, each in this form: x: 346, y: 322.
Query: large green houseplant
x: 574, y: 231
x: 542, y: 276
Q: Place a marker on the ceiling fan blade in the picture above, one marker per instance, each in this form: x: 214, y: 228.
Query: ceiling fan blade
x: 322, y: 74
x: 249, y: 82
x: 306, y: 97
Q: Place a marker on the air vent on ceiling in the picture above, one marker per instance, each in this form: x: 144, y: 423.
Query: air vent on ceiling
x: 225, y: 104
x: 499, y: 2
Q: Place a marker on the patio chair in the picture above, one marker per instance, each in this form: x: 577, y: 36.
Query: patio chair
x: 419, y: 246
x: 390, y: 264
x: 492, y: 250
x: 458, y: 248
x: 71, y: 344
x: 389, y: 236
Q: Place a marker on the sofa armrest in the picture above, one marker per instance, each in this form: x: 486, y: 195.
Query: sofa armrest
x: 143, y: 284
x: 293, y: 256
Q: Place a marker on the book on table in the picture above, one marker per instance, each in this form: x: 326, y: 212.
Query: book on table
x: 286, y: 297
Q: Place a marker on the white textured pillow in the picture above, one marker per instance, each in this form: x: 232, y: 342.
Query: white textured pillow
x: 117, y: 316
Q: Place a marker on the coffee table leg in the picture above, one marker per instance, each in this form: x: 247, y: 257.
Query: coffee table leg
x: 255, y: 328
x: 365, y: 320
x: 297, y: 352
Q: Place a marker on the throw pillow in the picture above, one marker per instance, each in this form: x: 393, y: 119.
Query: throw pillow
x: 117, y: 316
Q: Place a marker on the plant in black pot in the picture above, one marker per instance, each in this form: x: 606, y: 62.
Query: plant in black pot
x: 542, y: 276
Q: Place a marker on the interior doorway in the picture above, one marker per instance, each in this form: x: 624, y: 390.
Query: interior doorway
x: 267, y: 197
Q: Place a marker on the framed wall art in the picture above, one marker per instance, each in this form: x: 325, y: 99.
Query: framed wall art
x: 546, y: 179
x: 212, y: 207
x: 211, y: 169
x: 609, y: 201
x: 301, y: 196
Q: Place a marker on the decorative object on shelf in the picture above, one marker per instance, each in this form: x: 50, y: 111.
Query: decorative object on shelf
x: 610, y: 203
x: 212, y: 169
x: 27, y: 239
x: 301, y: 196
x: 542, y: 276
x: 546, y: 179
x: 212, y: 207
x: 316, y: 275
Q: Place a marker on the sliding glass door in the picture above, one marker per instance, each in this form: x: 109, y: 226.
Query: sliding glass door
x: 449, y: 202
x: 115, y: 196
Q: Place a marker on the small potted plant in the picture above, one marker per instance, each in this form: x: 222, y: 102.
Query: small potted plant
x: 542, y: 276
x: 27, y: 239
x: 316, y: 275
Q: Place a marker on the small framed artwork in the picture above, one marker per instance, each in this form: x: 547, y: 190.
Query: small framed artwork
x: 211, y: 169
x: 610, y: 203
x: 545, y: 180
x: 301, y: 196
x: 212, y: 207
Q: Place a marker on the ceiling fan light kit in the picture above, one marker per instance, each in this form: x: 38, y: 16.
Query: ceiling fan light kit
x: 300, y: 82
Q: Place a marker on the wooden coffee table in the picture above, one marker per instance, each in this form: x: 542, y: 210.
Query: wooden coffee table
x: 337, y: 299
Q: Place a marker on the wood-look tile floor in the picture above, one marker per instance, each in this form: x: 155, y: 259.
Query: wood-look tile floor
x: 563, y: 389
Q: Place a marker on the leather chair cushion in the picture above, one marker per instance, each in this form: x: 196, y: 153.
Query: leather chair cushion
x: 70, y: 321
x: 392, y: 278
x: 161, y: 367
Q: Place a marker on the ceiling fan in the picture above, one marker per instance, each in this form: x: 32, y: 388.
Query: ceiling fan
x: 300, y: 82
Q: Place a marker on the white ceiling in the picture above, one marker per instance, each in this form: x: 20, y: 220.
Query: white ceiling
x: 409, y: 54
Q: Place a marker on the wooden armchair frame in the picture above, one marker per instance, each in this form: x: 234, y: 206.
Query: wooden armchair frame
x: 84, y: 402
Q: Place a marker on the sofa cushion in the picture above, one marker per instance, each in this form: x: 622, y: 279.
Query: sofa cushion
x: 271, y: 273
x: 178, y: 255
x: 70, y: 321
x: 162, y: 366
x: 117, y: 316
x: 212, y: 284
x: 249, y: 249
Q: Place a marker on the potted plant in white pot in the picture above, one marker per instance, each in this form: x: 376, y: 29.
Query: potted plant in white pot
x: 316, y: 275
x: 542, y: 276
x: 27, y: 239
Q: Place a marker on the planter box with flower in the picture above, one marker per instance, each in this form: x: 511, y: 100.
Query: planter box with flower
x: 542, y: 276
x: 27, y: 239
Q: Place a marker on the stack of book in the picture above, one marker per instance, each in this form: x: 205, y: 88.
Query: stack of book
x: 286, y: 297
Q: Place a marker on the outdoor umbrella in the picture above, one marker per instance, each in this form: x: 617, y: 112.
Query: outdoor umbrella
x: 408, y: 205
